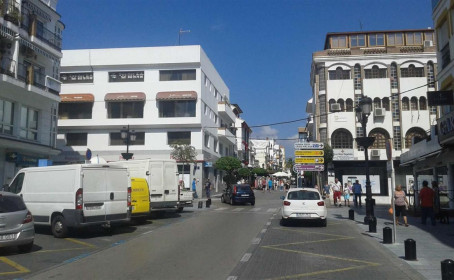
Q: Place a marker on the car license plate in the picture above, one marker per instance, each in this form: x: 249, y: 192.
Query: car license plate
x: 244, y: 195
x: 303, y: 215
x: 92, y: 207
x: 11, y: 236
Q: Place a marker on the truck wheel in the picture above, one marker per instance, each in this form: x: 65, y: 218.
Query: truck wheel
x: 25, y: 248
x: 179, y: 209
x: 59, y: 228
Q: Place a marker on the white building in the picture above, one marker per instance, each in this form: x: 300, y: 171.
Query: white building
x: 30, y: 53
x: 394, y: 68
x: 268, y: 154
x: 245, y: 150
x: 166, y: 95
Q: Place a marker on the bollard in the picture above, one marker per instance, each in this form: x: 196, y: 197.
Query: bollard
x: 447, y: 270
x: 200, y: 204
x: 208, y: 203
x: 373, y: 224
x: 410, y: 249
x: 387, y: 235
x: 351, y: 214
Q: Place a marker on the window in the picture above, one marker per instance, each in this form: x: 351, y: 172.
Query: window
x: 397, y: 141
x: 29, y: 123
x: 177, y: 108
x: 303, y: 195
x: 207, y: 140
x: 358, y: 40
x: 433, y: 110
x: 385, y: 103
x: 395, y: 39
x: 116, y: 140
x: 321, y: 78
x: 322, y: 108
x: 414, y: 38
x: 339, y: 74
x: 125, y: 110
x: 429, y: 36
x: 422, y: 103
x: 342, y: 139
x: 377, y: 103
x: 323, y: 136
x: 412, y: 71
x: 179, y: 137
x: 405, y: 104
x: 357, y: 76
x: 380, y: 136
x: 349, y: 105
x: 331, y: 101
x: 414, y: 103
x: 358, y: 98
x: 430, y: 75
x: 69, y: 110
x: 414, y: 135
x: 177, y: 75
x: 393, y: 76
x: 341, y: 103
x: 215, y: 146
x: 376, y: 40
x: 395, y: 108
x: 338, y: 42
x: 359, y: 133
x: 6, y: 117
x: 375, y: 73
x: 76, y: 139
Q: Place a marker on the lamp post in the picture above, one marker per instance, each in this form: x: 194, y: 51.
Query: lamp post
x: 363, y: 110
x: 128, y: 137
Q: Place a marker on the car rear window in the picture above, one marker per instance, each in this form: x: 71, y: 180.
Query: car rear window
x: 303, y: 195
x: 243, y: 188
x: 11, y: 204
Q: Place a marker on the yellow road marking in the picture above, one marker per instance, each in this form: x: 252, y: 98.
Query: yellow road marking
x: 308, y: 242
x: 80, y: 242
x: 20, y: 268
x: 317, y: 272
x: 59, y: 250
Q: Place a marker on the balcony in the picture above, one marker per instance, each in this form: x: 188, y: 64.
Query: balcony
x: 49, y: 37
x: 11, y: 12
x: 225, y: 134
x: 445, y: 56
x: 226, y: 112
x: 7, y: 66
x: 31, y: 76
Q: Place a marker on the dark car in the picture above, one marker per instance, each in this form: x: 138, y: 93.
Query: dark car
x: 240, y: 193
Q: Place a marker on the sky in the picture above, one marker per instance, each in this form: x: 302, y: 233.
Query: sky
x: 261, y: 48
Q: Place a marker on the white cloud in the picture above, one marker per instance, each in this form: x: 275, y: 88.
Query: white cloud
x: 268, y: 131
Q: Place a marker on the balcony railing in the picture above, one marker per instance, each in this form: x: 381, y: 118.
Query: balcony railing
x: 49, y: 37
x: 445, y: 56
x: 11, y: 12
x: 53, y: 85
x: 7, y: 66
x: 22, y: 72
x: 39, y: 80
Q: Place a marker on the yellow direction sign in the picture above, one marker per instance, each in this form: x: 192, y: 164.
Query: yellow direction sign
x: 310, y: 153
x: 309, y: 160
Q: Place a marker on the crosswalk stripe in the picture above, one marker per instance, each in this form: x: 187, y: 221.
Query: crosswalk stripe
x: 219, y: 209
x: 271, y: 210
x: 255, y: 209
x: 238, y: 209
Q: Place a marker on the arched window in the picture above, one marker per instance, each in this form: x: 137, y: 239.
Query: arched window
x: 422, y: 103
x: 417, y: 133
x: 331, y: 101
x: 385, y: 103
x: 341, y: 103
x: 380, y: 136
x: 394, y: 80
x: 375, y: 73
x: 414, y: 103
x: 412, y: 71
x: 377, y: 102
x: 349, y: 105
x: 430, y: 75
x: 357, y: 76
x: 405, y: 104
x: 341, y: 139
x: 339, y: 74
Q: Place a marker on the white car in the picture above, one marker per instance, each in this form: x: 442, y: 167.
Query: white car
x: 303, y: 204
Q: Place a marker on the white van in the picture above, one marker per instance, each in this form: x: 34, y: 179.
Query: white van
x: 71, y: 196
x: 162, y: 178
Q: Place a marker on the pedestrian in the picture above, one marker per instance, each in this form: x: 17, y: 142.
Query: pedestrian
x: 346, y: 195
x: 208, y: 189
x: 357, y: 190
x: 436, y: 197
x: 326, y: 189
x: 263, y: 184
x: 337, y: 191
x: 281, y: 187
x: 270, y: 185
x: 400, y: 204
x: 426, y: 200
x: 194, y: 188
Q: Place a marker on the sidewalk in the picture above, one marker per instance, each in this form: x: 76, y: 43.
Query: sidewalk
x: 433, y: 243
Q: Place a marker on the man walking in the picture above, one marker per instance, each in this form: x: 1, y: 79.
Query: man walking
x: 357, y: 193
x: 337, y: 190
x: 208, y: 189
x: 194, y: 187
x: 426, y: 200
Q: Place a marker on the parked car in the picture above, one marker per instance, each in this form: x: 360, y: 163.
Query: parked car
x: 16, y: 223
x: 240, y: 193
x: 303, y: 204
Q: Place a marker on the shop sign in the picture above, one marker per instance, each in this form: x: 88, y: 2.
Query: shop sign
x: 208, y: 164
x: 20, y: 159
x: 343, y: 154
x: 440, y: 98
x: 130, y: 76
x: 76, y: 78
x: 446, y: 128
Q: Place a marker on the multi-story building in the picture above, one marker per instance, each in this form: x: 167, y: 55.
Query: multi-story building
x: 244, y: 151
x: 166, y: 95
x: 396, y: 69
x: 30, y: 53
x: 268, y: 154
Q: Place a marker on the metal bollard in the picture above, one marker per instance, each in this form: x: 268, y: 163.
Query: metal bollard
x: 410, y: 250
x: 387, y: 235
x: 208, y: 203
x: 447, y: 270
x: 351, y: 214
x: 373, y: 225
x: 200, y: 204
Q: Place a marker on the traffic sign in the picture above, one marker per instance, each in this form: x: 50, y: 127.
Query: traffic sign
x: 310, y: 153
x: 308, y: 167
x: 309, y: 160
x: 309, y: 146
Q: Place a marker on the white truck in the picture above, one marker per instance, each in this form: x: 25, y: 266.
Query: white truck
x: 162, y: 178
x: 72, y: 196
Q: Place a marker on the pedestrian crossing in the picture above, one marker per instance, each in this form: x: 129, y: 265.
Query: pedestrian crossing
x: 245, y: 209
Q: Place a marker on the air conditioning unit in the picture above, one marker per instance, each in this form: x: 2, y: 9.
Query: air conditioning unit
x: 374, y: 153
x: 379, y: 112
x: 335, y: 107
x: 428, y: 43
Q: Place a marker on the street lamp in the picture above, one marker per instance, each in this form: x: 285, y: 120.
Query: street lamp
x: 363, y: 110
x: 128, y: 137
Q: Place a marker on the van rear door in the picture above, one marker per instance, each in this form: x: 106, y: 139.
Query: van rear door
x: 140, y: 197
x: 171, y: 181
x: 94, y: 194
x: 117, y: 183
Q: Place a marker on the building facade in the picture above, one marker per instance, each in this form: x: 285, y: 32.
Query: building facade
x: 396, y: 69
x: 166, y: 95
x: 30, y: 53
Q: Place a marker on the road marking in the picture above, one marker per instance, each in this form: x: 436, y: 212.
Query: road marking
x: 80, y: 242
x: 20, y: 268
x: 246, y: 257
x: 271, y: 210
x: 147, y: 232
x: 256, y: 240
x: 237, y: 209
x: 263, y: 230
x: 77, y: 258
x: 219, y: 209
x: 318, y: 272
x: 232, y: 278
x: 255, y: 209
x: 269, y: 223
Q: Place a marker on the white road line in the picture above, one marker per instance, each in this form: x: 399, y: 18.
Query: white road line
x: 246, y: 257
x: 237, y: 209
x: 232, y: 278
x: 219, y: 209
x: 263, y: 230
x: 269, y: 223
x: 256, y: 240
x: 271, y: 210
x: 255, y: 209
x: 148, y: 232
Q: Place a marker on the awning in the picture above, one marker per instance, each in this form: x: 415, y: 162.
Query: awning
x: 176, y: 95
x: 125, y: 96
x: 80, y: 97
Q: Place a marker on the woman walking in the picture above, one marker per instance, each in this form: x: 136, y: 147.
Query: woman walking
x: 400, y: 204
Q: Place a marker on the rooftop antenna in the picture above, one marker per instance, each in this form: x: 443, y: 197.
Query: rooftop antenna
x: 181, y: 32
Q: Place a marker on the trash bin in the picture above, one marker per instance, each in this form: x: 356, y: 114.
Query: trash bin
x: 373, y: 224
x: 387, y: 235
x: 351, y: 214
x: 200, y: 205
x: 208, y: 203
x: 447, y: 270
x: 410, y: 250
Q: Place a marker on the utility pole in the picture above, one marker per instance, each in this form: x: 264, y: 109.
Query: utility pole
x: 181, y: 32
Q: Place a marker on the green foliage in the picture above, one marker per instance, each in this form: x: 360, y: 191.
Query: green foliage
x: 230, y: 165
x: 244, y: 172
x: 183, y: 153
x: 259, y: 171
x: 328, y: 154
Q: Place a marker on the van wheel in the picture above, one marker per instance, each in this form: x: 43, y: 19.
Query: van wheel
x: 59, y: 227
x: 179, y: 209
x: 25, y: 248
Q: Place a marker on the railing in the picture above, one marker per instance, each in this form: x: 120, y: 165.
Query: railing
x: 49, y: 37
x: 445, y: 56
x: 12, y: 13
x: 39, y: 79
x: 7, y: 66
x: 22, y: 72
x: 53, y: 85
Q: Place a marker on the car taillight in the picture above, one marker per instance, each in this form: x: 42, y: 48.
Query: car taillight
x: 79, y: 199
x: 287, y: 203
x: 234, y: 190
x: 28, y: 218
x: 129, y: 196
x: 321, y: 203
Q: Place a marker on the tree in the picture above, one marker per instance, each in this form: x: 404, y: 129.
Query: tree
x: 230, y: 165
x: 183, y: 153
x: 259, y: 171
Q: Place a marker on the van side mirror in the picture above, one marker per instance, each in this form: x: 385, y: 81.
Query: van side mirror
x: 282, y: 197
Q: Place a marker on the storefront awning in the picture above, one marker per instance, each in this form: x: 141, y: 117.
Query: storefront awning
x: 176, y: 95
x: 125, y: 96
x: 79, y: 97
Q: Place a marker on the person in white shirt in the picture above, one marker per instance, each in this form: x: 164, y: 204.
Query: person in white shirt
x: 337, y: 192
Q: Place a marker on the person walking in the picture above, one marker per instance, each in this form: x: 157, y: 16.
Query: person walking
x: 263, y: 184
x: 347, y: 195
x: 400, y: 204
x: 357, y: 190
x: 426, y: 200
x: 337, y: 190
x: 270, y: 184
x: 281, y: 185
x: 208, y: 189
x: 326, y: 189
x: 194, y: 188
